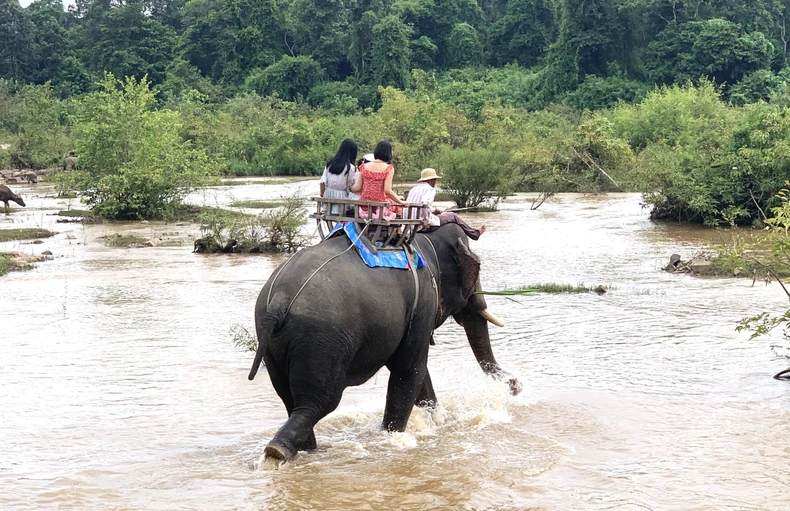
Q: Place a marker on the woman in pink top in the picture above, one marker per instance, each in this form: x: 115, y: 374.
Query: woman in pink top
x: 375, y: 182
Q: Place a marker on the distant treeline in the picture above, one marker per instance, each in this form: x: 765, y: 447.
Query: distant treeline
x: 588, y: 53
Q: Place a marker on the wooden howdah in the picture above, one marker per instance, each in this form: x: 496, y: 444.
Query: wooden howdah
x: 383, y: 234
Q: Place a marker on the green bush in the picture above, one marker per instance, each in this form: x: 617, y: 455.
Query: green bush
x: 275, y: 230
x: 755, y: 87
x: 134, y: 164
x: 599, y: 93
x: 344, y: 97
x: 290, y: 77
x: 474, y: 177
x: 702, y: 161
x: 38, y: 122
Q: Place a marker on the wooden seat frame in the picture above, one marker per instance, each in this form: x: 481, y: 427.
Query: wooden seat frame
x: 384, y: 234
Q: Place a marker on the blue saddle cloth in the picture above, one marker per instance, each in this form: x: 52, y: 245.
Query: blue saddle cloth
x: 383, y: 258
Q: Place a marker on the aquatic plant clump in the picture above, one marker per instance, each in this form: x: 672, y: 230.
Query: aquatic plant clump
x: 548, y: 288
x: 26, y: 233
x: 275, y: 230
x: 242, y: 338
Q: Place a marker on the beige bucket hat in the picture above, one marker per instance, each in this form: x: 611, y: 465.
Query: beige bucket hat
x: 428, y: 174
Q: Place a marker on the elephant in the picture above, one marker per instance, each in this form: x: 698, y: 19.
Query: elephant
x: 325, y: 321
x: 7, y: 195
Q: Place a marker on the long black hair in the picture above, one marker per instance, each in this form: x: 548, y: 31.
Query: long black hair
x: 344, y: 158
x: 383, y: 151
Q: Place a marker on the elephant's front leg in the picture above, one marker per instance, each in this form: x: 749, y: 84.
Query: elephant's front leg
x: 426, y: 397
x: 407, y: 374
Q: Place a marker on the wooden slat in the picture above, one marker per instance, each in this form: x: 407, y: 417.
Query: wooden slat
x: 400, y: 232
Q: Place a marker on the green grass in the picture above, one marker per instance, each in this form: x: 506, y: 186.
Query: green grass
x: 75, y: 212
x: 5, y: 262
x: 191, y: 213
x: 28, y: 233
x: 548, y: 288
x: 256, y: 204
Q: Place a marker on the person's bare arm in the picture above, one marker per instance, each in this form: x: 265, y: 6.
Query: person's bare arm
x: 323, y: 188
x: 357, y: 187
x: 388, y: 189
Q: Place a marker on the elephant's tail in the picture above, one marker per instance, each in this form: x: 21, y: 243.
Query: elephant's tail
x: 265, y: 331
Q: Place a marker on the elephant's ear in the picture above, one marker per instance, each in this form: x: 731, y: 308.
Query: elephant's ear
x: 469, y: 265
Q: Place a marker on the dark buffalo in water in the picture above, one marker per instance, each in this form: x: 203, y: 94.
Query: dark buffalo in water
x: 7, y: 195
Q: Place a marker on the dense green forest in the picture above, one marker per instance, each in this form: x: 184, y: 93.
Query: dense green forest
x: 587, y: 53
x: 686, y: 101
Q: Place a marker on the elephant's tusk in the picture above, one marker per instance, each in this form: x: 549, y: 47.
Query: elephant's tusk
x: 491, y: 318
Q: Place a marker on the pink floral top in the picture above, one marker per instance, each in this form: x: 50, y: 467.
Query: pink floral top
x: 373, y: 190
x: 373, y: 184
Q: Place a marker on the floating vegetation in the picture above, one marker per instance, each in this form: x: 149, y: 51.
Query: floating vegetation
x: 242, y: 338
x: 256, y: 204
x: 124, y: 240
x: 548, y: 288
x: 27, y: 233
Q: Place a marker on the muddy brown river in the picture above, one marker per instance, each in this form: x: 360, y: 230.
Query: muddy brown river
x: 120, y: 386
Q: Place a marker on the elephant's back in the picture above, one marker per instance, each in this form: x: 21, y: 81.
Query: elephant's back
x: 330, y: 280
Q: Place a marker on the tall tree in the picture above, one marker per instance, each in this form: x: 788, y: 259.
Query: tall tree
x: 16, y: 59
x: 320, y: 29
x: 390, y: 60
x: 228, y: 39
x: 50, y: 42
x: 450, y: 13
x: 464, y: 47
x: 714, y: 48
x: 523, y: 33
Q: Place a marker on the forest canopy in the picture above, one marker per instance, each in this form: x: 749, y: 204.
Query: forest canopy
x: 223, y: 47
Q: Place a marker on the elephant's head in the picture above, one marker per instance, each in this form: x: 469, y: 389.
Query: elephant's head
x: 459, y: 281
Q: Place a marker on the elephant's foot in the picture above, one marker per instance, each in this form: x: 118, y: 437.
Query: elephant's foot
x: 277, y: 451
x: 427, y: 403
x: 309, y: 444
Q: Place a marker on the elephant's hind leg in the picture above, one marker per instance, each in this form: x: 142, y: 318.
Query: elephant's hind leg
x: 282, y: 387
x: 313, y: 398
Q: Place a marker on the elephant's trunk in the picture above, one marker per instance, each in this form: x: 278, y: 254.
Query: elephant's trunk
x: 491, y: 318
x: 476, y: 328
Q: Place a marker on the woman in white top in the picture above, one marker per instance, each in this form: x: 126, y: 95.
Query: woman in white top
x: 339, y: 173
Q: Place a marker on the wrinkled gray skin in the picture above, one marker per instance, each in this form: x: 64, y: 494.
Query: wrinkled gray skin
x: 351, y: 320
x: 7, y: 195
